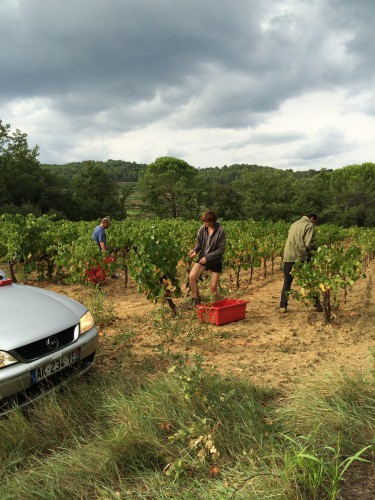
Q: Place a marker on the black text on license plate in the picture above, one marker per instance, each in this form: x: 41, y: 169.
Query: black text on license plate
x: 54, y: 366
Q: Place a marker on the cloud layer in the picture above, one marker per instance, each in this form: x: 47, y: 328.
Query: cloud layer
x: 288, y: 84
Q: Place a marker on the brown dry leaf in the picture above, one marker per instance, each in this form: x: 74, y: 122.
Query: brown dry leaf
x: 165, y: 426
x: 214, y: 471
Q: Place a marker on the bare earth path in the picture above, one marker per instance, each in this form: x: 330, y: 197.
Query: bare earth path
x: 266, y: 347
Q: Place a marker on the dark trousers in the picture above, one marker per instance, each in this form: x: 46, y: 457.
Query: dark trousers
x: 288, y: 280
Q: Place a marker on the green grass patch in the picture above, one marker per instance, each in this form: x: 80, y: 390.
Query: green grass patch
x: 188, y: 434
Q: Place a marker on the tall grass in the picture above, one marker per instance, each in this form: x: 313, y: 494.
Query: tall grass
x: 336, y: 403
x: 328, y: 424
x: 189, y: 434
x: 100, y: 306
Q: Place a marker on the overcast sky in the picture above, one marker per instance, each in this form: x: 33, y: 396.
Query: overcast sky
x: 288, y: 84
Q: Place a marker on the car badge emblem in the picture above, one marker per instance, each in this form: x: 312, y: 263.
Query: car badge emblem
x: 52, y: 342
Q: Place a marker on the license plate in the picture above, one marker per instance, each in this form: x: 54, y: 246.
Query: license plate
x: 54, y: 366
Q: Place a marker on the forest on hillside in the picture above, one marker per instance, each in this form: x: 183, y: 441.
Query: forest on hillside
x: 171, y: 188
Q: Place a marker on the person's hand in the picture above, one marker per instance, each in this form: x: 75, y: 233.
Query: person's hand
x: 203, y: 260
x: 192, y: 253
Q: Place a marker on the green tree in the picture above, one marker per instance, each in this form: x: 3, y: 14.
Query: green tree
x: 268, y: 194
x: 168, y: 188
x: 224, y: 200
x: 353, y: 196
x: 313, y: 194
x: 25, y: 186
x: 118, y: 170
x: 96, y: 194
x: 20, y: 168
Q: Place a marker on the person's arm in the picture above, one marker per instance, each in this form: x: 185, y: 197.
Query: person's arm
x: 198, y: 245
x: 102, y: 240
x: 309, y: 239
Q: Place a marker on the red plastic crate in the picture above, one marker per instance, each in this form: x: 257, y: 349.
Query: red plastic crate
x: 222, y: 312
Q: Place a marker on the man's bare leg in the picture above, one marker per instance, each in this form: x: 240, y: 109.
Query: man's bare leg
x: 196, y: 271
x: 215, y: 277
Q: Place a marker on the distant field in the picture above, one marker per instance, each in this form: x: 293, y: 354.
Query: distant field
x: 134, y: 202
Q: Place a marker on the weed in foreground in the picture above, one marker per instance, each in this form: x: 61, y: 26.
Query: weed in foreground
x: 180, y: 327
x: 100, y: 307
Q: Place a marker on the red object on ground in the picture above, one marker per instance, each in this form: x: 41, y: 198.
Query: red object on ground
x: 8, y: 281
x: 222, y: 312
x: 97, y: 275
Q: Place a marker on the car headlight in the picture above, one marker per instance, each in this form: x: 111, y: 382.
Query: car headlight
x: 86, y: 322
x: 6, y: 359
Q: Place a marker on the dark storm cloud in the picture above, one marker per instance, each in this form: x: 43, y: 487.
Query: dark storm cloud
x: 129, y: 50
x: 116, y: 48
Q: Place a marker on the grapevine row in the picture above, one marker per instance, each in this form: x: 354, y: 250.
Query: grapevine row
x: 155, y: 252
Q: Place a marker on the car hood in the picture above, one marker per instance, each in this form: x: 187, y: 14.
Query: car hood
x: 28, y: 314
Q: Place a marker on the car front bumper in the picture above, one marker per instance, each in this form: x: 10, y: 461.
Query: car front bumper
x: 17, y: 379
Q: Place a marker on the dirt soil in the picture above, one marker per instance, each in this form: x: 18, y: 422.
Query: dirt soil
x: 268, y: 348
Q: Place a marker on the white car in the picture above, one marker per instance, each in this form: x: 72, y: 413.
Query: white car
x: 45, y: 338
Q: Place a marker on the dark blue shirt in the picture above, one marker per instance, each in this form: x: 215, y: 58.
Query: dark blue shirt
x: 99, y: 235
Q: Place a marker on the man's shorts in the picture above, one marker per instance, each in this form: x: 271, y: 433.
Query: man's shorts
x: 215, y: 268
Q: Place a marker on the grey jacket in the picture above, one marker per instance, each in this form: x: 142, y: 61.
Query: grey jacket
x: 212, y: 247
x: 300, y: 241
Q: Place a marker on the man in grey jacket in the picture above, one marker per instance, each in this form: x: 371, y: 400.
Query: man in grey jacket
x: 299, y: 245
x: 211, y: 243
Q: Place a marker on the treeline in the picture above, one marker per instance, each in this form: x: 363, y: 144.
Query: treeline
x: 346, y: 196
x: 118, y: 170
x: 171, y: 188
x: 27, y: 187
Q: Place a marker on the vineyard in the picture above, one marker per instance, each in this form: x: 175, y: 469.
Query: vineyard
x: 154, y: 253
x: 142, y: 339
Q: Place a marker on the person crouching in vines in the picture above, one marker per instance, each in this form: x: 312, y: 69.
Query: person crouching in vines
x: 211, y: 243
